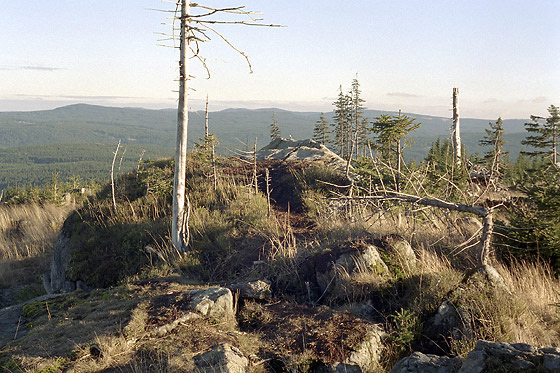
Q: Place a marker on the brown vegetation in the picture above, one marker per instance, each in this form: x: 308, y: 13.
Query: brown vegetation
x: 234, y: 238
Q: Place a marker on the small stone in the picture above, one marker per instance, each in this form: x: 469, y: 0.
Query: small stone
x: 258, y: 289
x: 95, y: 351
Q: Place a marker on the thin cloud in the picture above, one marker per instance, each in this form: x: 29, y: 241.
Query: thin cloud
x: 31, y: 67
x: 491, y: 101
x: 403, y: 94
x: 76, y: 97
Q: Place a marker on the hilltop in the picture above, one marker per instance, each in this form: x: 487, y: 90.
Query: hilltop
x: 299, y: 282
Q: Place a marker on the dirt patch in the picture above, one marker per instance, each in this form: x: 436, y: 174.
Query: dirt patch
x: 296, y: 329
x: 164, y: 309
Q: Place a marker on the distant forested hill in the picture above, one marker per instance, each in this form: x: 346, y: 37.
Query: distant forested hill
x: 37, y: 164
x: 141, y: 128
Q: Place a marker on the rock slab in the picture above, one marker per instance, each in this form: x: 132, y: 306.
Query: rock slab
x: 222, y: 358
x: 487, y: 357
x: 211, y: 302
x: 517, y: 357
x: 419, y: 362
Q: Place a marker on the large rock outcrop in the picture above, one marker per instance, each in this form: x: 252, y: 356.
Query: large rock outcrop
x: 306, y: 150
x: 55, y: 280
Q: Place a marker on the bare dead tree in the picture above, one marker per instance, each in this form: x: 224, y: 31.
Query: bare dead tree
x: 140, y: 161
x: 267, y: 180
x: 382, y: 194
x: 255, y: 181
x: 122, y: 157
x: 113, y: 174
x: 206, y: 131
x: 456, y: 128
x: 214, y: 171
x: 485, y: 213
x: 196, y: 25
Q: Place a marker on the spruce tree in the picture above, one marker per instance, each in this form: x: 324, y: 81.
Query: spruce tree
x: 545, y: 133
x: 274, y: 130
x: 341, y: 123
x: 495, y: 138
x: 355, y: 116
x: 321, y: 132
x: 390, y: 132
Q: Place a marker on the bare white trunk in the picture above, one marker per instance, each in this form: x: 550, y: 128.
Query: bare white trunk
x: 113, y: 175
x: 255, y: 181
x: 206, y: 131
x: 456, y: 128
x: 486, y: 239
x: 178, y: 224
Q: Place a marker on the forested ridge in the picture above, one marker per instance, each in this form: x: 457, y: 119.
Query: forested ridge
x: 59, y: 137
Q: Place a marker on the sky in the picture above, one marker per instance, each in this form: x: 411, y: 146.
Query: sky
x: 503, y: 55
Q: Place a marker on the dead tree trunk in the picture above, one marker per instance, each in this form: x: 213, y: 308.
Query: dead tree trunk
x: 484, y: 213
x: 267, y: 180
x: 255, y: 181
x: 486, y: 239
x: 456, y: 128
x: 206, y: 132
x: 178, y: 225
x: 113, y: 175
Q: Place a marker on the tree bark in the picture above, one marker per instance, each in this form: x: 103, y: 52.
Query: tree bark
x: 486, y: 239
x: 206, y: 131
x: 456, y: 129
x: 178, y: 223
x: 113, y: 175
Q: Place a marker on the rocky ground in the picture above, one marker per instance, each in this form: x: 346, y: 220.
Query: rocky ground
x: 361, y: 303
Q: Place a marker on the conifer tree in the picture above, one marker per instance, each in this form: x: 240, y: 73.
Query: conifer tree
x: 545, y: 135
x: 495, y: 138
x: 443, y: 169
x: 355, y: 115
x: 274, y: 130
x: 390, y: 133
x: 341, y: 123
x: 321, y: 132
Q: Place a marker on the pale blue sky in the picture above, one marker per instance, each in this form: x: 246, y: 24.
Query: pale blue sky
x: 503, y: 55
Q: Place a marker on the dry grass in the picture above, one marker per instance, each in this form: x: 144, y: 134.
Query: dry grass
x: 28, y: 230
x: 27, y: 233
x: 533, y: 316
x: 448, y: 233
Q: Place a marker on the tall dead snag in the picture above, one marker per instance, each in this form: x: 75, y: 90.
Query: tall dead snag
x: 195, y: 28
x: 456, y: 128
x: 179, y: 224
x: 255, y: 180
